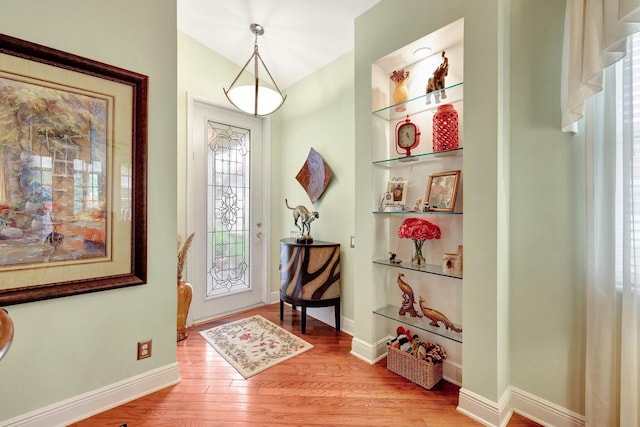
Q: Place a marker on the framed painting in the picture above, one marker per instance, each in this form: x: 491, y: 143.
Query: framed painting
x: 442, y: 190
x: 73, y: 174
x: 396, y: 193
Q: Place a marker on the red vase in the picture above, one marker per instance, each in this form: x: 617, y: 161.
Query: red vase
x: 445, y: 128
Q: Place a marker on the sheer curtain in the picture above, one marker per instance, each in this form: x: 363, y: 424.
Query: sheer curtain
x: 598, y: 34
x: 595, y: 36
x: 613, y: 249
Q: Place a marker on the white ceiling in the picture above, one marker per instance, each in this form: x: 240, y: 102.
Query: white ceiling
x: 300, y: 36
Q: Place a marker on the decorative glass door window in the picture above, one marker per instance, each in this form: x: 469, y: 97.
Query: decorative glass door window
x: 228, y: 238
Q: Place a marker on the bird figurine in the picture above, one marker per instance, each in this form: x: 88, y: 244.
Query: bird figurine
x: 435, y: 316
x: 408, y: 300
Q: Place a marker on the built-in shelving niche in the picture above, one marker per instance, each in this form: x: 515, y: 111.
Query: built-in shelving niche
x: 443, y: 291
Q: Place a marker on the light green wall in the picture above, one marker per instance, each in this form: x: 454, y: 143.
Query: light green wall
x: 547, y: 215
x: 486, y: 230
x: 201, y: 73
x: 69, y: 346
x: 318, y: 113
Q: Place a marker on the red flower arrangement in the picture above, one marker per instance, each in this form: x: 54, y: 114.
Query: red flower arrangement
x: 419, y: 230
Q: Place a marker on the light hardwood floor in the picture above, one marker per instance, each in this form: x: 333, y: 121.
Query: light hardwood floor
x: 325, y: 386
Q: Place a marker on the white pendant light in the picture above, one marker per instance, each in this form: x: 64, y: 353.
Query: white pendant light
x: 255, y: 99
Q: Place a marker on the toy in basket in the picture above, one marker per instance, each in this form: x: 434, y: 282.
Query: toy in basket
x: 416, y: 360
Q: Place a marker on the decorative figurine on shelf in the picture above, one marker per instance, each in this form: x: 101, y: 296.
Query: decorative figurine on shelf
x: 408, y: 300
x: 418, y: 204
x: 393, y: 259
x: 425, y: 207
x: 305, y: 217
x: 386, y: 200
x: 436, y: 82
x: 435, y: 316
x: 452, y: 263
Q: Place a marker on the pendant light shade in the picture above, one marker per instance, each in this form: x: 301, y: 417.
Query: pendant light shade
x: 255, y: 99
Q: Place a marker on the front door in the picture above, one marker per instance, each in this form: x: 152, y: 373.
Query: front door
x: 226, y: 263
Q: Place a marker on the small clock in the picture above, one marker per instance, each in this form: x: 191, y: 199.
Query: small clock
x: 407, y: 136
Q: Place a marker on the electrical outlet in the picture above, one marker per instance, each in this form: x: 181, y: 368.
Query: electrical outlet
x: 144, y: 349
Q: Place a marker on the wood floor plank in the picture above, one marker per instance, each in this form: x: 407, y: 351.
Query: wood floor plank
x: 325, y: 386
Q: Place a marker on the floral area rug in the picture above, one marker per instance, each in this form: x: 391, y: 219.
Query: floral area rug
x: 254, y: 344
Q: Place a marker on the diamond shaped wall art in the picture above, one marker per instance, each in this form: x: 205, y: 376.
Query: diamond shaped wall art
x: 314, y: 176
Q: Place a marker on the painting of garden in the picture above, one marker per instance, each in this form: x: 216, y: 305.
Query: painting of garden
x: 53, y: 174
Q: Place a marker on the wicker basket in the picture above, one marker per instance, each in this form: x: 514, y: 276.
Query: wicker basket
x: 425, y: 374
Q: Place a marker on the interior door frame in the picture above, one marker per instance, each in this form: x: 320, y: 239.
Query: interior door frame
x: 192, y: 99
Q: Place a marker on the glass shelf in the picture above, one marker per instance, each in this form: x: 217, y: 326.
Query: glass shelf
x: 418, y: 158
x: 422, y: 323
x: 453, y: 93
x: 429, y: 268
x: 415, y: 213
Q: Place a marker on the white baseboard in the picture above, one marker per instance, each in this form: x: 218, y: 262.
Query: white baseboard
x: 347, y: 326
x: 483, y: 410
x: 536, y: 409
x: 88, y: 404
x: 367, y: 352
x: 275, y: 297
x: 479, y: 408
x: 323, y: 314
x: 542, y: 411
x: 452, y: 372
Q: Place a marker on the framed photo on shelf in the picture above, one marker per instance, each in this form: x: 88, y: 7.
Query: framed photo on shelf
x: 442, y: 191
x: 73, y: 181
x: 396, y: 193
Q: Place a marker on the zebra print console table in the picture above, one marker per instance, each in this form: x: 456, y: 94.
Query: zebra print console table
x: 310, y: 277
